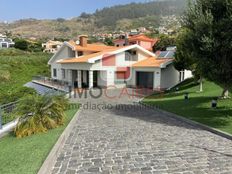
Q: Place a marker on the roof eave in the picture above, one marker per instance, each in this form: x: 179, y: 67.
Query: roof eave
x: 164, y: 65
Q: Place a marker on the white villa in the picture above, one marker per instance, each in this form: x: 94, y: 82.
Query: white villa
x: 84, y: 65
x: 6, y: 42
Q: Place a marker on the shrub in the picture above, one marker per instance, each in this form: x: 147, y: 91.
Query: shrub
x: 21, y: 44
x: 39, y: 114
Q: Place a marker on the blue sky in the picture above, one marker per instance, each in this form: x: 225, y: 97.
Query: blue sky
x: 52, y: 9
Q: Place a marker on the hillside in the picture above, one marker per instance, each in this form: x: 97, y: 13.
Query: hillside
x: 17, y: 68
x: 119, y: 17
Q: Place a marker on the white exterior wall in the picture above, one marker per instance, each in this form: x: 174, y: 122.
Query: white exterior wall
x: 110, y: 77
x: 58, y: 71
x: 169, y: 77
x: 185, y: 75
x: 65, y: 52
x: 106, y: 75
x: 100, y: 78
x: 120, y: 59
x: 188, y: 74
x: 141, y: 56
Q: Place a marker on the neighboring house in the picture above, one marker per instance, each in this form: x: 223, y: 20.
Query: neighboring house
x: 51, y: 46
x: 6, y: 42
x: 90, y: 65
x: 140, y: 40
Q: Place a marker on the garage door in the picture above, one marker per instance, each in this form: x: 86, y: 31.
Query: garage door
x: 145, y: 79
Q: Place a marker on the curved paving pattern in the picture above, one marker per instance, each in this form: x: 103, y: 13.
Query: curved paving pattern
x: 140, y: 140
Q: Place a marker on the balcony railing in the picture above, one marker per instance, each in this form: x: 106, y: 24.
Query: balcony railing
x: 52, y: 83
x: 6, y: 113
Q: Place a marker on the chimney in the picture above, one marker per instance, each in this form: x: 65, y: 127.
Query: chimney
x: 126, y: 39
x: 83, y: 40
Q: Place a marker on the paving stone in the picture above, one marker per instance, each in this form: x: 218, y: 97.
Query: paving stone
x: 139, y: 141
x: 70, y: 171
x: 93, y: 170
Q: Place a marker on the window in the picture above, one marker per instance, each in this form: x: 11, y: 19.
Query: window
x: 54, y: 72
x: 63, y: 73
x: 131, y: 55
x: 4, y: 45
x: 80, y: 53
x: 71, y: 53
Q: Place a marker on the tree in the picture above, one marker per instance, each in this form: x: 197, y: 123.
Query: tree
x: 108, y: 41
x: 184, y: 60
x: 208, y: 23
x: 39, y: 114
x: 163, y: 43
x: 8, y: 34
x: 85, y: 15
x: 35, y: 47
x: 60, y: 20
x: 21, y: 44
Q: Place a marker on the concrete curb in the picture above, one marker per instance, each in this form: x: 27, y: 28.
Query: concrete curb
x: 191, y: 122
x: 50, y: 161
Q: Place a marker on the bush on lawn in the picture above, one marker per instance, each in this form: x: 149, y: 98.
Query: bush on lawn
x: 39, y: 114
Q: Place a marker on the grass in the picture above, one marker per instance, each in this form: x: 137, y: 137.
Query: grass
x: 198, y: 107
x: 17, y: 68
x: 26, y: 155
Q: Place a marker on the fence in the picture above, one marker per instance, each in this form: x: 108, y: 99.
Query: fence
x: 6, y: 115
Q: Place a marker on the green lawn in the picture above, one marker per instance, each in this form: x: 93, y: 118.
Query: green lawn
x: 27, y: 155
x: 198, y: 107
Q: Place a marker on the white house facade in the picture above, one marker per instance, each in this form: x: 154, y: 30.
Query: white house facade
x: 85, y: 65
x: 6, y: 42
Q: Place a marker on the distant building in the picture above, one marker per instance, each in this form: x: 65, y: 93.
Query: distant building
x: 142, y: 30
x: 171, y: 48
x: 134, y: 32
x: 51, y: 46
x: 6, y: 42
x: 140, y: 40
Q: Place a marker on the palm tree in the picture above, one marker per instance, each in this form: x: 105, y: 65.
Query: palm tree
x: 39, y: 114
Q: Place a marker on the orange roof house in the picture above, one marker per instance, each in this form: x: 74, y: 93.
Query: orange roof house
x: 92, y: 65
x: 141, y: 40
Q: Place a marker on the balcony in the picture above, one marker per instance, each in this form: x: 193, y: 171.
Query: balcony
x: 51, y: 83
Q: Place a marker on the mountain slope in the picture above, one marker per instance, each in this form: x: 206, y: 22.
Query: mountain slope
x: 108, y: 19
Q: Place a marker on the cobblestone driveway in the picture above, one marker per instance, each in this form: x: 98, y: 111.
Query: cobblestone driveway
x: 140, y: 140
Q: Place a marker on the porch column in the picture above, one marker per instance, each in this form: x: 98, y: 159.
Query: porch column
x: 70, y: 77
x: 90, y: 79
x: 79, y: 79
x: 157, y: 80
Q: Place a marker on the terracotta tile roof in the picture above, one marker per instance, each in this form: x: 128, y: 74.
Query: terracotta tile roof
x: 85, y: 58
x: 142, y: 37
x: 81, y: 59
x: 90, y: 47
x: 150, y: 62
